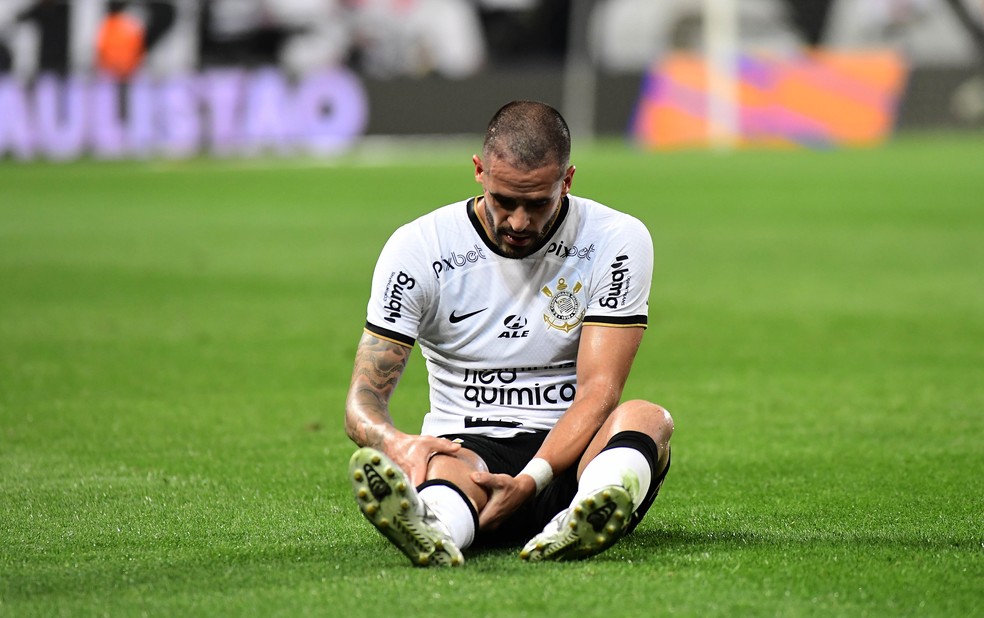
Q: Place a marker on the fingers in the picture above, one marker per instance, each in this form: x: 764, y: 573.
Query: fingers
x: 487, y: 521
x: 496, y: 511
x: 445, y: 446
x: 490, y: 482
x: 505, y: 497
x: 430, y: 448
x: 416, y: 454
x: 492, y: 515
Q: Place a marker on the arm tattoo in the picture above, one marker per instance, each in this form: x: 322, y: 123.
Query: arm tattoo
x: 379, y: 364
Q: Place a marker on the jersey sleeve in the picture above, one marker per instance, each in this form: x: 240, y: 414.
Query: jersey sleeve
x: 397, y: 300
x: 620, y: 296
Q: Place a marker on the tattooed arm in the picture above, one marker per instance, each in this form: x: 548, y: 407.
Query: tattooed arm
x: 379, y: 365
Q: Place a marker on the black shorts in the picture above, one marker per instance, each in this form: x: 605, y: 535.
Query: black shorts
x: 510, y: 456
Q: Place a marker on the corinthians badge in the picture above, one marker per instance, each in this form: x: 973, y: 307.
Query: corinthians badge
x: 565, y: 311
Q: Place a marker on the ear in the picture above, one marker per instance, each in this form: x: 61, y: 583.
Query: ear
x: 479, y: 168
x: 568, y: 180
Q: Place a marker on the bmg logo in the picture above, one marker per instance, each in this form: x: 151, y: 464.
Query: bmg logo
x: 396, y: 293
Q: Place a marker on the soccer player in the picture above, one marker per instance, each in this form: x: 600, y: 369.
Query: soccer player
x: 529, y: 305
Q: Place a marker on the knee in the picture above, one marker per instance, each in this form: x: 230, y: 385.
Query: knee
x: 450, y: 466
x: 456, y: 469
x: 650, y: 415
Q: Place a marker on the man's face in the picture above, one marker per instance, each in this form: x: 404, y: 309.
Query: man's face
x: 520, y: 205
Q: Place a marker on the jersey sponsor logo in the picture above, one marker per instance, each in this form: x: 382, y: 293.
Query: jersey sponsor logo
x: 454, y: 319
x: 475, y: 421
x: 618, y: 290
x: 515, y: 328
x: 395, y: 294
x: 457, y: 260
x: 566, y: 306
x: 570, y: 251
x: 494, y: 387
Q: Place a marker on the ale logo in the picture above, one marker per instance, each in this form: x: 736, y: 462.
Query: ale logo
x: 515, y: 328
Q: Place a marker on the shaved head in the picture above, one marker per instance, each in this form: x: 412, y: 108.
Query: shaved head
x: 528, y: 135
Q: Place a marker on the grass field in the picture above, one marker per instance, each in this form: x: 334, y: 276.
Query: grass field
x: 176, y: 340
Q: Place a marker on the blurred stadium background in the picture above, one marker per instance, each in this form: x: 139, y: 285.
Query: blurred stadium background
x: 358, y: 68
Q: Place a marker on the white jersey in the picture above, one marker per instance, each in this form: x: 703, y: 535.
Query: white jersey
x: 500, y: 335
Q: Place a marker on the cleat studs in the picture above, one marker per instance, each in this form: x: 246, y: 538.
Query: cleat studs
x: 423, y: 559
x: 375, y: 460
x: 401, y: 487
x: 607, y: 495
x: 619, y: 515
x: 390, y: 472
x: 439, y: 544
x: 578, y: 510
x: 572, y: 525
x: 371, y: 509
x: 600, y: 540
x: 405, y: 505
x: 383, y: 523
x: 590, y: 503
x: 363, y: 493
x: 611, y: 528
x: 358, y: 476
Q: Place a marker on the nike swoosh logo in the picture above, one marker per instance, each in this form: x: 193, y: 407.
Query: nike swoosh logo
x: 454, y: 319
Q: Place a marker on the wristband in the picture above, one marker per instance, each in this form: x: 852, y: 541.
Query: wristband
x: 540, y: 471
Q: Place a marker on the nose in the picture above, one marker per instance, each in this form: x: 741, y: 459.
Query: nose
x: 519, y: 219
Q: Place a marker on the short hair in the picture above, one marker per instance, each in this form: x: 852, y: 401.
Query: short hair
x: 529, y: 135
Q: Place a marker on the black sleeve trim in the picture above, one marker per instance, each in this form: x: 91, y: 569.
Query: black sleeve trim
x: 616, y: 320
x: 389, y: 335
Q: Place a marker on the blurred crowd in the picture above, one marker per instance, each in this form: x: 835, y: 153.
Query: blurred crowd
x: 450, y: 38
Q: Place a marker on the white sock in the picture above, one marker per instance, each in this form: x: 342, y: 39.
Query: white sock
x: 450, y: 509
x: 616, y: 466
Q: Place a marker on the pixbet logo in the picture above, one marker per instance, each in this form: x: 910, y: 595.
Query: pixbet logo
x: 394, y: 298
x: 571, y: 251
x: 619, y: 285
x: 456, y: 260
x: 515, y: 325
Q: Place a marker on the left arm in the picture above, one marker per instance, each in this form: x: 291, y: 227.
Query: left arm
x: 604, y: 359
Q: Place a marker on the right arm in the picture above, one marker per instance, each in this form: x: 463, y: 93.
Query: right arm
x: 379, y: 365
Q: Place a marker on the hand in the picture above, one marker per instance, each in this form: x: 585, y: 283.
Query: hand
x: 506, y: 494
x: 412, y: 453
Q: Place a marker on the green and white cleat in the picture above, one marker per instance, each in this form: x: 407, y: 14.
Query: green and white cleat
x: 587, y: 528
x: 388, y: 500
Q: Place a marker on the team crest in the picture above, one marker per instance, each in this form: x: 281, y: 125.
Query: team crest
x: 565, y: 309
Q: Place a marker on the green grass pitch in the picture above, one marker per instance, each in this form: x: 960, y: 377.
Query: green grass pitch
x: 176, y: 340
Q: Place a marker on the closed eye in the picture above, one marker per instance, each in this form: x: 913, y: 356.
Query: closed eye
x: 511, y: 203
